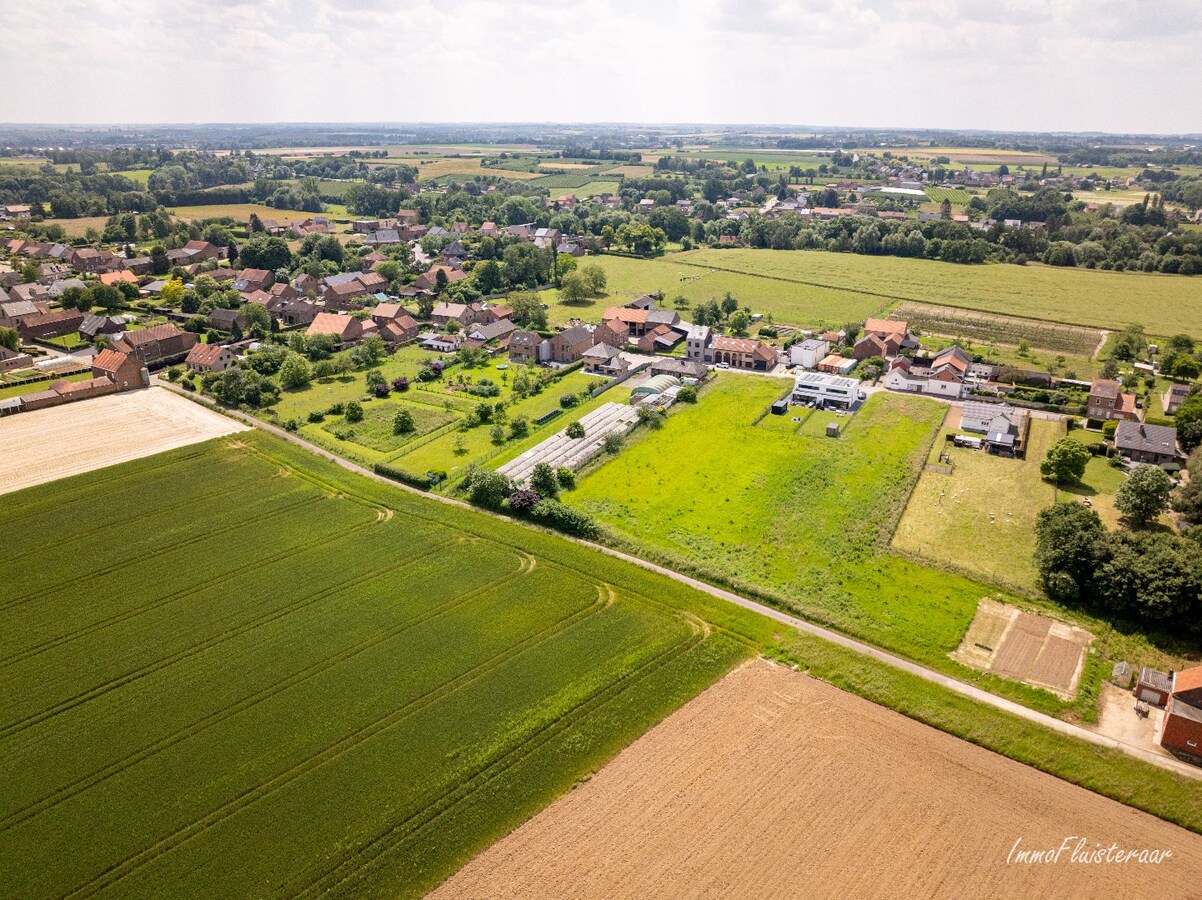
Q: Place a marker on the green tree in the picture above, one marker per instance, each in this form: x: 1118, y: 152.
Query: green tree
x: 488, y: 277
x: 543, y: 481
x: 1065, y: 461
x: 597, y: 279
x: 402, y: 422
x: 575, y: 431
x: 1186, y: 368
x: 528, y: 310
x: 295, y: 372
x: 1144, y: 495
x: 575, y: 288
x: 172, y: 293
x: 160, y: 263
x: 739, y: 322
x: 354, y: 412
x: 10, y: 338
x: 107, y: 297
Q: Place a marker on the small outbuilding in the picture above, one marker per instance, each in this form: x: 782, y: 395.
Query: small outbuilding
x: 1153, y: 687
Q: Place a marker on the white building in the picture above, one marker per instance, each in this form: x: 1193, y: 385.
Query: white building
x: 829, y: 390
x: 698, y: 343
x: 808, y: 353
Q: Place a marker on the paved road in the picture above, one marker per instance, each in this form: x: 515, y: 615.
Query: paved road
x: 1154, y: 757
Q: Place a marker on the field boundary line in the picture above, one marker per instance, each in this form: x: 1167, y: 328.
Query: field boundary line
x: 332, y: 751
x: 217, y: 716
x: 802, y: 625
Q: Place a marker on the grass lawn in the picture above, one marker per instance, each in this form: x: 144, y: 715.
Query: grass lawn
x: 19, y: 390
x: 958, y: 196
x: 376, y: 431
x: 138, y: 176
x: 217, y: 707
x: 1163, y: 304
x: 981, y: 517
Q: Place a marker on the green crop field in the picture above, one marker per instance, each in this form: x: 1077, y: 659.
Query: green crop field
x: 1163, y: 304
x: 564, y: 180
x: 958, y: 196
x: 676, y: 277
x: 285, y: 679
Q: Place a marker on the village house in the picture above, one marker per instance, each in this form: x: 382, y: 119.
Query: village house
x: 743, y: 353
x: 1004, y: 427
x: 1181, y: 729
x: 383, y: 237
x: 1141, y: 443
x: 226, y: 320
x: 345, y: 329
x: 441, y: 343
x: 252, y: 280
x: 343, y: 293
x: 293, y: 312
x: 524, y: 347
x: 54, y: 323
x: 613, y: 332
x: 489, y: 229
x: 156, y: 345
x: 209, y: 358
x: 459, y: 313
x: 408, y: 216
x: 944, y: 377
x: 126, y: 372
x: 570, y: 345
x: 394, y: 322
x: 428, y: 280
x: 1174, y: 397
x: 823, y: 390
x: 699, y: 344
x: 488, y: 314
x: 493, y: 331
x: 93, y: 262
x: 660, y: 339
x: 1107, y: 401
x: 602, y: 359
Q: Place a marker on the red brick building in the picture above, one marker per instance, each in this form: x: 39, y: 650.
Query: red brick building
x: 1181, y: 732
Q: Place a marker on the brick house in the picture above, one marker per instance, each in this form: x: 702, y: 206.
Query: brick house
x: 209, y: 358
x: 1107, y: 401
x: 570, y: 345
x: 157, y: 345
x: 1141, y: 443
x: 1181, y: 731
x: 125, y: 371
x: 345, y: 329
x: 743, y: 353
x: 524, y: 346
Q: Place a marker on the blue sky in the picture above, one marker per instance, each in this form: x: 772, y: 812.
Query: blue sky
x: 1068, y: 65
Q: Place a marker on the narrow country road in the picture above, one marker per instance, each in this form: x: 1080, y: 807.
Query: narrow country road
x: 1164, y: 761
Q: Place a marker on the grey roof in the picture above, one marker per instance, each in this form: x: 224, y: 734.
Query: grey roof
x: 1146, y: 438
x: 602, y: 351
x: 57, y: 289
x: 15, y: 308
x: 663, y: 317
x: 491, y: 332
x: 814, y: 344
x: 573, y: 335
x: 1156, y: 679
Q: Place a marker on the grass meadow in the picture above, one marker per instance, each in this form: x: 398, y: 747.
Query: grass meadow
x: 295, y: 681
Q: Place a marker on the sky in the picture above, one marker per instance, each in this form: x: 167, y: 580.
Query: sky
x: 1006, y: 65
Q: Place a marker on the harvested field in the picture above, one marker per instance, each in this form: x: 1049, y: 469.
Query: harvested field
x: 978, y: 326
x: 1025, y: 647
x: 49, y: 444
x: 773, y: 784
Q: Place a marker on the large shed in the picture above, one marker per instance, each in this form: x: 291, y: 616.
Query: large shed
x: 657, y: 384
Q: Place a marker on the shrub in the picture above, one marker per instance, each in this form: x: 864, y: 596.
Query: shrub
x: 317, y: 416
x: 292, y: 425
x: 486, y: 488
x: 569, y: 401
x: 612, y: 442
x: 380, y: 391
x: 687, y: 394
x: 402, y: 422
x: 400, y: 384
x: 1108, y: 430
x: 354, y: 412
x: 336, y: 409
x: 563, y: 518
x: 566, y: 478
x: 575, y: 430
x: 424, y: 482
x: 519, y: 427
x: 543, y: 480
x: 523, y: 500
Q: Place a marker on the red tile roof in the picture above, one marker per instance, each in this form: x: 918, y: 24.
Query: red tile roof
x: 110, y: 360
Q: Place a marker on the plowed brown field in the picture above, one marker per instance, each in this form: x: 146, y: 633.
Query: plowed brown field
x: 772, y: 784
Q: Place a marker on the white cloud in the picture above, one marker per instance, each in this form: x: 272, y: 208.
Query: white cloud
x: 1001, y: 64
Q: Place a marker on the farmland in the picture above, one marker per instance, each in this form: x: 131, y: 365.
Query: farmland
x: 1163, y: 304
x: 957, y: 196
x: 278, y: 638
x: 240, y: 212
x: 985, y: 327
x: 719, y: 799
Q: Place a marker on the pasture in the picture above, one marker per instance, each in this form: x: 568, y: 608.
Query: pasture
x: 771, y: 780
x: 798, y: 517
x: 588, y: 189
x: 1163, y: 304
x: 292, y: 680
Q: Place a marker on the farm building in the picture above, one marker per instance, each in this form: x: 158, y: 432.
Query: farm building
x: 809, y: 353
x: 834, y: 364
x: 602, y: 359
x: 681, y: 368
x: 820, y: 389
x: 12, y: 359
x: 1153, y: 686
x: 1181, y: 731
x: 743, y: 353
x: 157, y: 345
x: 657, y: 384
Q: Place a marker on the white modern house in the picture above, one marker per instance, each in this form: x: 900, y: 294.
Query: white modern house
x: 822, y: 389
x: 808, y: 353
x: 699, y: 344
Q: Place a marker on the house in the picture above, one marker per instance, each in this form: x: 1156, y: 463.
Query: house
x: 55, y: 323
x: 444, y: 313
x: 489, y: 229
x: 93, y: 262
x: 524, y: 347
x: 344, y: 293
x: 97, y: 325
x: 442, y: 343
x: 17, y: 211
x: 835, y: 364
x: 570, y: 248
x: 13, y: 359
x: 944, y: 377
x: 1004, y: 427
x: 1174, y: 397
x: 119, y: 276
x: 252, y: 280
x: 882, y: 328
x: 209, y: 358
x: 460, y: 227
x: 1181, y: 730
x: 408, y: 216
x: 345, y: 329
x: 633, y: 320
x: 602, y: 359
x: 454, y: 252
x: 428, y: 280
x: 521, y: 232
x: 493, y: 331
x: 1107, y: 401
x: 394, y: 322
x: 124, y: 370
x: 157, y: 345
x: 743, y: 353
x: 293, y: 312
x: 570, y: 345
x: 680, y: 368
x: 487, y: 314
x: 383, y: 237
x: 613, y: 332
x: 699, y: 344
x: 823, y: 390
x: 808, y: 353
x: 58, y: 288
x: 226, y: 319
x: 546, y: 238
x: 1141, y: 443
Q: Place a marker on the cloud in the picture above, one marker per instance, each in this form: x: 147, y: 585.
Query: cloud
x: 996, y: 64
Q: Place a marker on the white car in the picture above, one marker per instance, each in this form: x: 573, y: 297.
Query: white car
x: 722, y: 366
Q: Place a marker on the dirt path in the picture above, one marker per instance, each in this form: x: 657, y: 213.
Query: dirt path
x: 959, y: 687
x: 773, y: 784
